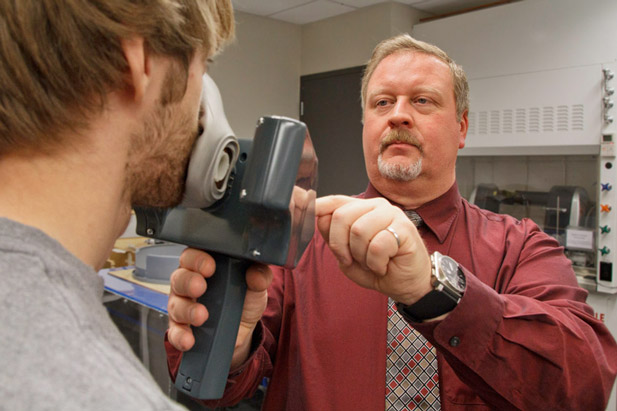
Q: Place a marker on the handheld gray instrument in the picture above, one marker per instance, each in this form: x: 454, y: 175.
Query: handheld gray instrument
x: 245, y: 201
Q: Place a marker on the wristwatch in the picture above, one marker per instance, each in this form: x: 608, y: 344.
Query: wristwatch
x: 448, y: 283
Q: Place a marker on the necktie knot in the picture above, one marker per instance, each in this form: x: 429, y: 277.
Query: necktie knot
x: 414, y: 217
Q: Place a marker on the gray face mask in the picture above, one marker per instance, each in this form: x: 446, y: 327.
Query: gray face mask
x: 214, y: 154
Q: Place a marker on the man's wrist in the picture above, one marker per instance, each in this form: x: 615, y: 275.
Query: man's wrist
x: 417, y: 293
x: 448, y: 286
x: 244, y: 353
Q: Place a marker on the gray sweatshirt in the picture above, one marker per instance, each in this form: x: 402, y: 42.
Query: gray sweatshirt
x: 59, y: 350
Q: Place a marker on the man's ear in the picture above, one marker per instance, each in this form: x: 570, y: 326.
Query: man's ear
x: 464, y: 126
x: 139, y: 71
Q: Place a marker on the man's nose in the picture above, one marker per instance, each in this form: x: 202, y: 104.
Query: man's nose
x: 401, y: 115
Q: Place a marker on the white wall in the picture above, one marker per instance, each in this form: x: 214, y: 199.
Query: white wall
x: 527, y: 36
x: 532, y: 57
x: 348, y: 40
x: 259, y: 74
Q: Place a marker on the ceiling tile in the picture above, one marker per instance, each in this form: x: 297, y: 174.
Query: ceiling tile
x: 308, y: 11
x: 359, y: 3
x: 313, y: 11
x: 437, y: 7
x: 266, y: 7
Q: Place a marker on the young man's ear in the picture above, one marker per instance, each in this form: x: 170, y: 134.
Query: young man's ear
x: 137, y: 59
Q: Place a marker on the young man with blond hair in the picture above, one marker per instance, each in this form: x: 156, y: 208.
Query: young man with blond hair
x: 99, y: 108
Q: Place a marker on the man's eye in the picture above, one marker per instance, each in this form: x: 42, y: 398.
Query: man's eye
x: 422, y: 100
x: 381, y: 103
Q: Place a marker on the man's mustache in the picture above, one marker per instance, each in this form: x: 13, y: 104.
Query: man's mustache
x: 399, y: 136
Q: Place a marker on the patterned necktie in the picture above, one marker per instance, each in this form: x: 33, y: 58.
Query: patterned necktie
x: 414, y: 217
x: 412, y: 381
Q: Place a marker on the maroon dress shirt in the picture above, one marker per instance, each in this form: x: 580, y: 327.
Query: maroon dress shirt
x: 522, y: 336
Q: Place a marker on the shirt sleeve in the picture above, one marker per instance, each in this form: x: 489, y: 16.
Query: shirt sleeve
x: 527, y: 340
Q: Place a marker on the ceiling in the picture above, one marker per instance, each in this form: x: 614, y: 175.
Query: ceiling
x: 308, y: 11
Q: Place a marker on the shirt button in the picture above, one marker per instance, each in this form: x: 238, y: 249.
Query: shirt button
x: 455, y: 341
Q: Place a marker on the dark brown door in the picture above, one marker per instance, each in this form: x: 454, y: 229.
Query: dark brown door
x: 330, y: 107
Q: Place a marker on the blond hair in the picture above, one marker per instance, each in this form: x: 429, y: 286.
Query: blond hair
x: 404, y: 42
x: 60, y: 58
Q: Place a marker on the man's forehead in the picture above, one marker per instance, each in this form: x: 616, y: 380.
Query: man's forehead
x: 410, y: 66
x: 411, y: 57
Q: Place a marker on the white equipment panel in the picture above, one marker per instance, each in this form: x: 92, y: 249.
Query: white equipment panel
x: 551, y: 112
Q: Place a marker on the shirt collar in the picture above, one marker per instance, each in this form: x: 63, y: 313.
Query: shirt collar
x: 438, y: 214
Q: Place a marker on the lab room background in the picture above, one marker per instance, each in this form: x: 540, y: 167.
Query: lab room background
x: 541, y: 129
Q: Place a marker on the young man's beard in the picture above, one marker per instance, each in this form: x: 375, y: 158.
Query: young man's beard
x: 159, y: 158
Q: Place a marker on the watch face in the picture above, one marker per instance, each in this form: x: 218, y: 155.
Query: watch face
x: 449, y: 268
